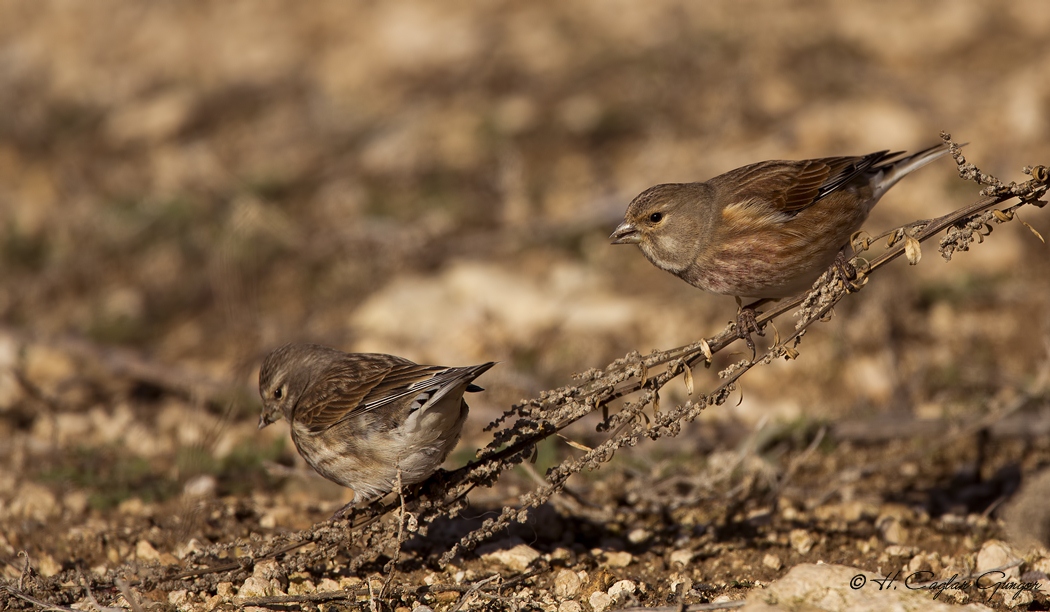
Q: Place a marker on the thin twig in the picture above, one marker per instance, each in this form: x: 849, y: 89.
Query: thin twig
x: 37, y: 602
x: 473, y: 589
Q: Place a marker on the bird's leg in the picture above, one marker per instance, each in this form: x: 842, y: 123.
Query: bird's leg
x: 746, y: 322
x: 340, y: 513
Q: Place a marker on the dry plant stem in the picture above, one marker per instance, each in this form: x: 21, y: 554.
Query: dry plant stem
x: 37, y: 602
x: 128, y: 595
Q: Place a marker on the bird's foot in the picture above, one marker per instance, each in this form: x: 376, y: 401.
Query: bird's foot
x: 846, y: 272
x: 747, y: 324
x: 342, y: 512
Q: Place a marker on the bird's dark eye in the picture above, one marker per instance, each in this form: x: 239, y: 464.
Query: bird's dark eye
x: 656, y: 217
x: 277, y: 393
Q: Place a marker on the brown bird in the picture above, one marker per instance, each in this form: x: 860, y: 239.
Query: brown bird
x: 359, y: 418
x: 766, y: 230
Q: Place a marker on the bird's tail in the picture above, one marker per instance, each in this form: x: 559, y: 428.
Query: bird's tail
x: 894, y: 170
x: 454, y: 379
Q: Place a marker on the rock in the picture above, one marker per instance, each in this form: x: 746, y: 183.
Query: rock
x: 76, y: 502
x: 33, y: 501
x: 265, y: 580
x: 601, y: 601
x: 301, y: 587
x: 995, y: 555
x: 133, y: 506
x: 516, y: 558
x: 47, y: 368
x: 203, y: 485
x: 924, y: 562
x: 639, y: 536
x: 617, y: 559
x: 772, y: 561
x: 801, y: 541
x: 46, y: 565
x: 177, y: 597
x: 187, y: 548
x: 850, y: 512
x: 682, y: 557
x: 901, y: 551
x: 269, y: 569
x: 679, y: 584
x: 622, y: 589
x: 144, y: 551
x: 891, y: 530
x: 838, y: 588
x: 570, y: 606
x: 567, y: 584
x: 255, y: 586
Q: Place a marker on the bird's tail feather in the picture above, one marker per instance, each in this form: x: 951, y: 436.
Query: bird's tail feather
x: 895, y: 170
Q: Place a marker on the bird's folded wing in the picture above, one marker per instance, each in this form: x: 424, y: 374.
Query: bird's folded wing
x: 787, y: 187
x: 344, y: 387
x: 408, y: 383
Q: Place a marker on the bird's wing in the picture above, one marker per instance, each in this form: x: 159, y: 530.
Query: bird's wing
x: 786, y: 187
x: 366, y: 382
x: 340, y: 391
x: 427, y: 383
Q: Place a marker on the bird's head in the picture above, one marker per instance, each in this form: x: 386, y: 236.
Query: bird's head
x: 280, y: 384
x: 665, y: 221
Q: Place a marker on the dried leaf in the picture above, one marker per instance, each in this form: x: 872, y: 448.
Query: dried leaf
x: 1034, y: 231
x: 790, y: 353
x: 705, y: 348
x: 858, y: 243
x: 656, y: 403
x: 912, y: 249
x: 688, y: 380
x: 575, y: 444
x: 1041, y: 174
x: 644, y: 376
x: 1002, y: 216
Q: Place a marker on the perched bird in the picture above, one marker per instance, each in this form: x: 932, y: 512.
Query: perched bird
x: 358, y: 418
x: 767, y: 230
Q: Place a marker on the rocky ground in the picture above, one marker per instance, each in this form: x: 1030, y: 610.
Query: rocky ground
x: 184, y: 186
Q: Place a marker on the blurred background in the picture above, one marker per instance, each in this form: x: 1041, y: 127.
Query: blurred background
x: 185, y: 185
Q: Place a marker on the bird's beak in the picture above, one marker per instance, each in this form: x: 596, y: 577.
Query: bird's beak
x: 625, y: 233
x: 264, y: 420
